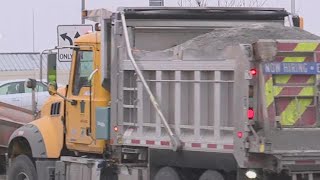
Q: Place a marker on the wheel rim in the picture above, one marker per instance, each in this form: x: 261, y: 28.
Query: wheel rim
x: 23, y: 176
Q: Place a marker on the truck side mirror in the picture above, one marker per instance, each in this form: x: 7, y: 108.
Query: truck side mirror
x: 52, y: 68
x: 298, y: 21
x: 31, y: 83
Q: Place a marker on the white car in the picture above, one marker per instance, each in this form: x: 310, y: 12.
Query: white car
x: 16, y: 93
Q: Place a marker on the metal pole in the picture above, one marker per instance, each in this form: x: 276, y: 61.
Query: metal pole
x: 293, y: 7
x: 34, y: 103
x: 83, y: 7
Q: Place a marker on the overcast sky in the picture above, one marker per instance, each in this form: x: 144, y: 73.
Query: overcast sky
x: 16, y: 19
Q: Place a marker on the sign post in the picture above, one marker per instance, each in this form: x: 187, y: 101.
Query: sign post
x: 66, y: 36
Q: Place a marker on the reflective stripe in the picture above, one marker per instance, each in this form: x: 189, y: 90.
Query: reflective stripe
x: 308, y: 117
x: 269, y: 91
x: 297, y: 107
x: 290, y: 110
x: 306, y: 47
x: 272, y: 91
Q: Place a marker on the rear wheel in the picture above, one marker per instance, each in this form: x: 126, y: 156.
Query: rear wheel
x: 167, y: 173
x: 211, y: 175
x: 22, y: 168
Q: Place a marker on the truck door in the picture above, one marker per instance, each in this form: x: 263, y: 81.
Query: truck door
x: 78, y: 113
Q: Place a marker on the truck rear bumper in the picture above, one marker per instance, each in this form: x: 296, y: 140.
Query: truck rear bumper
x: 299, y: 163
x: 302, y: 141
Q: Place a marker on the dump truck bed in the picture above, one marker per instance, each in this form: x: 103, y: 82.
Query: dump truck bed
x: 192, y: 81
x: 195, y: 97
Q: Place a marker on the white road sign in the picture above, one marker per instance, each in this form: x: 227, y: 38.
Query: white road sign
x: 66, y: 36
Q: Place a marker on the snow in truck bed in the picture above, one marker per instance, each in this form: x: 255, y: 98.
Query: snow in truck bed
x: 212, y: 44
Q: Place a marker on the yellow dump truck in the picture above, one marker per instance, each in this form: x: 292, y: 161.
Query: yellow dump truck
x: 180, y: 93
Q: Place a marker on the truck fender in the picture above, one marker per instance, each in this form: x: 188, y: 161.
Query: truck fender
x: 44, y: 135
x: 34, y: 137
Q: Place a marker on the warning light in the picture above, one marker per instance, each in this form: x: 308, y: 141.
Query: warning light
x: 116, y: 129
x: 240, y: 135
x: 253, y: 72
x: 250, y: 113
x: 84, y: 13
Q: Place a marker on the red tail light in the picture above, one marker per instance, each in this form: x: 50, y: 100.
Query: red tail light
x: 240, y: 135
x: 253, y: 72
x: 250, y: 113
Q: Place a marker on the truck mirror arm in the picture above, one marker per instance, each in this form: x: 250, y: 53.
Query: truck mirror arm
x: 73, y: 102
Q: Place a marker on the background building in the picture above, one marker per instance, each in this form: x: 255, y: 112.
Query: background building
x: 27, y: 65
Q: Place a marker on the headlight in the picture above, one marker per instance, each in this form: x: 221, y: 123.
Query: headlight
x: 251, y: 174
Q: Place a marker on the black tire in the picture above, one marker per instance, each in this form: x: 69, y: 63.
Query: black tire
x: 22, y: 167
x: 211, y: 175
x: 167, y: 173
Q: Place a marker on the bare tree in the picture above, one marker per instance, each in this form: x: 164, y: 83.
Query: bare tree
x: 249, y: 3
x: 223, y: 3
x: 202, y: 3
x: 191, y: 3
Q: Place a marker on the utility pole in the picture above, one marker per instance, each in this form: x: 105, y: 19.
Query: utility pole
x: 293, y: 7
x: 83, y: 7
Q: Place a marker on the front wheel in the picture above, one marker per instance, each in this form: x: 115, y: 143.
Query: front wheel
x: 22, y: 168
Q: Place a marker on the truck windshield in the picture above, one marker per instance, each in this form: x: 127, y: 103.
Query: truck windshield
x: 84, y: 66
